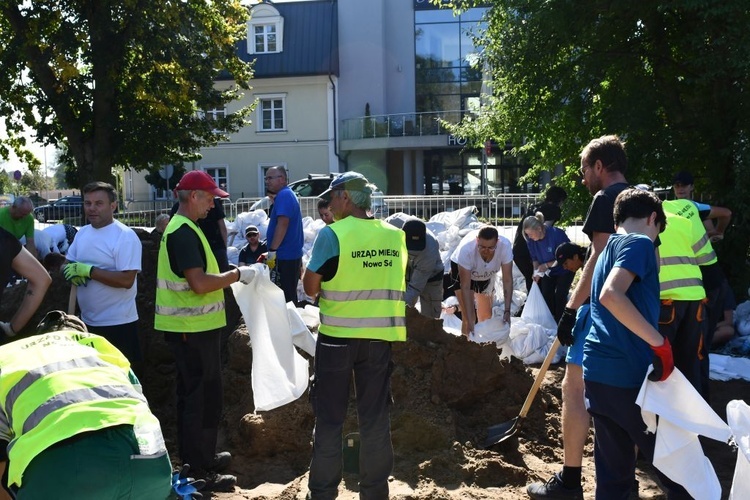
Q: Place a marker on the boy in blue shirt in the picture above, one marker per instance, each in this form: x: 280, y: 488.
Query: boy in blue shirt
x: 623, y: 341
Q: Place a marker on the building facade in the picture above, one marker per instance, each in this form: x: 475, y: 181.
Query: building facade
x: 361, y: 85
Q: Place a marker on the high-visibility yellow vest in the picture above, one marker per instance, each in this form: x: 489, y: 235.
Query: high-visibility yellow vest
x: 704, y: 251
x: 365, y: 299
x: 178, y: 308
x: 679, y: 275
x: 57, y: 385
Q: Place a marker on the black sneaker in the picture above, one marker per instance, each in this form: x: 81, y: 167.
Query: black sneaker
x: 553, y: 488
x: 221, y: 461
x: 219, y: 482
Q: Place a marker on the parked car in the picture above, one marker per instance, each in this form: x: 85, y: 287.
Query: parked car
x: 64, y: 208
x: 313, y: 186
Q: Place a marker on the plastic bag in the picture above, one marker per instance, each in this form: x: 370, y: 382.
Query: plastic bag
x: 536, y: 310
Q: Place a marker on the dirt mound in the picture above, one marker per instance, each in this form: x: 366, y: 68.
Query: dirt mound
x: 446, y: 392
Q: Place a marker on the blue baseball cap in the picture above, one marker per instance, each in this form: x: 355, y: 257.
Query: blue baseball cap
x: 352, y: 181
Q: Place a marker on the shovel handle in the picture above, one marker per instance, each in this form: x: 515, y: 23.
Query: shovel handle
x: 539, y: 378
x: 72, y: 299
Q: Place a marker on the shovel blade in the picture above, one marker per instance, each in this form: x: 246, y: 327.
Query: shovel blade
x: 500, y: 432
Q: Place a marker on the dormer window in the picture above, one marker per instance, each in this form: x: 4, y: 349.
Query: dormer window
x: 265, y: 30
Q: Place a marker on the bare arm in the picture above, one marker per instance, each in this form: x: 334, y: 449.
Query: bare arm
x: 507, y: 270
x: 311, y: 281
x: 282, y: 224
x: 723, y: 217
x: 4, y: 494
x: 583, y: 288
x: 614, y: 299
x: 468, y: 313
x: 115, y: 279
x: 39, y: 281
x: 202, y: 282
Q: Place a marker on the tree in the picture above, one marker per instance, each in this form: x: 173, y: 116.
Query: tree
x: 120, y: 82
x: 671, y: 78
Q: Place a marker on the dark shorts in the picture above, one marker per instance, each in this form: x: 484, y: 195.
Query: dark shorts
x: 455, y: 281
x: 124, y: 337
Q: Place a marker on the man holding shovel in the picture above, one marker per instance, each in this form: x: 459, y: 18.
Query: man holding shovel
x: 603, y: 167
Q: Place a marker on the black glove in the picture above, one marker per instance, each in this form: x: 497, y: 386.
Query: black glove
x: 565, y: 326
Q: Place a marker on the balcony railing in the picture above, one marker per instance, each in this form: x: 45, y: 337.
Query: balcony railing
x: 398, y: 125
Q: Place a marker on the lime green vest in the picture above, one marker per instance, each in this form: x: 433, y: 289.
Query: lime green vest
x: 704, y: 251
x: 366, y: 297
x: 178, y: 308
x: 679, y: 274
x: 57, y: 385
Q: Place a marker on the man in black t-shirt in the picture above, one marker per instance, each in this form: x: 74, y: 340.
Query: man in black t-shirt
x: 603, y: 166
x: 16, y: 259
x: 215, y: 230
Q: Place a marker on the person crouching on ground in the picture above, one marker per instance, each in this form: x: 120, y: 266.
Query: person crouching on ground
x: 474, y: 264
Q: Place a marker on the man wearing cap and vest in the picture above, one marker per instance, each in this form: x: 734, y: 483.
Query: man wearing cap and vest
x: 682, y: 315
x: 73, y: 420
x: 190, y: 312
x: 358, y: 266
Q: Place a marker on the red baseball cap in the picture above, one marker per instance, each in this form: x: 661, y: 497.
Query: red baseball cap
x: 198, y: 180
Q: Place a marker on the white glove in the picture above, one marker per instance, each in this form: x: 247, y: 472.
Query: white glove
x: 7, y: 329
x: 247, y: 274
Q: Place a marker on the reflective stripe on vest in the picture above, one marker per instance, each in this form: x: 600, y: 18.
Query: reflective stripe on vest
x: 178, y: 309
x: 365, y: 299
x: 57, y: 385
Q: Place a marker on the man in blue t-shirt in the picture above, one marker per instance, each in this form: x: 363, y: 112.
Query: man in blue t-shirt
x: 623, y: 341
x: 284, y: 236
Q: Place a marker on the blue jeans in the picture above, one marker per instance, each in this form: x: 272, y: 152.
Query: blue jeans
x: 336, y: 360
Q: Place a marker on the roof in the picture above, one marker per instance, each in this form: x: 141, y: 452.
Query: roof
x: 310, y: 42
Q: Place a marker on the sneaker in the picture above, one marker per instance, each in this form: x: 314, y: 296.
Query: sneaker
x: 553, y: 488
x: 219, y: 482
x: 221, y: 461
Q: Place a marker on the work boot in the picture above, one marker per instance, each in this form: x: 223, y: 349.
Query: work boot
x: 221, y: 461
x: 553, y: 489
x: 219, y: 482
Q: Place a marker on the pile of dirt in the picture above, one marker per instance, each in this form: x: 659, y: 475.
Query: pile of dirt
x: 446, y: 392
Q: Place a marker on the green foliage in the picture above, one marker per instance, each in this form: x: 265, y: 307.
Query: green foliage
x: 120, y: 83
x: 671, y: 78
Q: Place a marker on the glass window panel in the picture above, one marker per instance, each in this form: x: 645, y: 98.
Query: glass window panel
x: 474, y: 14
x: 444, y: 75
x: 434, y: 16
x: 437, y: 45
x: 471, y: 88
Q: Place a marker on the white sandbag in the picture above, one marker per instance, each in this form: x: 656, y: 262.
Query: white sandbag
x: 491, y: 330
x: 233, y: 255
x: 310, y: 314
x: 527, y: 338
x: 742, y: 319
x: 279, y: 373
x: 738, y: 418
x: 302, y: 337
x: 536, y: 310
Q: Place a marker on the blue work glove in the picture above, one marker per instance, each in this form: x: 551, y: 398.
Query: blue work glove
x: 77, y: 273
x: 186, y: 487
x: 565, y: 327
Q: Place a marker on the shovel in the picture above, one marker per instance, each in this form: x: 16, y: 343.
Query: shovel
x: 500, y: 432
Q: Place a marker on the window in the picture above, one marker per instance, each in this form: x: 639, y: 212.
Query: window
x: 214, y: 114
x: 271, y: 113
x: 219, y: 175
x: 265, y: 30
x: 264, y: 38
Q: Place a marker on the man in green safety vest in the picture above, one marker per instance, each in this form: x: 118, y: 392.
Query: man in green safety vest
x: 190, y: 311
x: 74, y: 422
x: 358, y: 267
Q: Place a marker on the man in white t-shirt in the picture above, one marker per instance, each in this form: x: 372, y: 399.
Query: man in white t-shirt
x: 103, y: 261
x: 474, y: 264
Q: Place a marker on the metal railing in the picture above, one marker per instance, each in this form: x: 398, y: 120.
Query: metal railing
x: 398, y: 125
x: 500, y: 209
